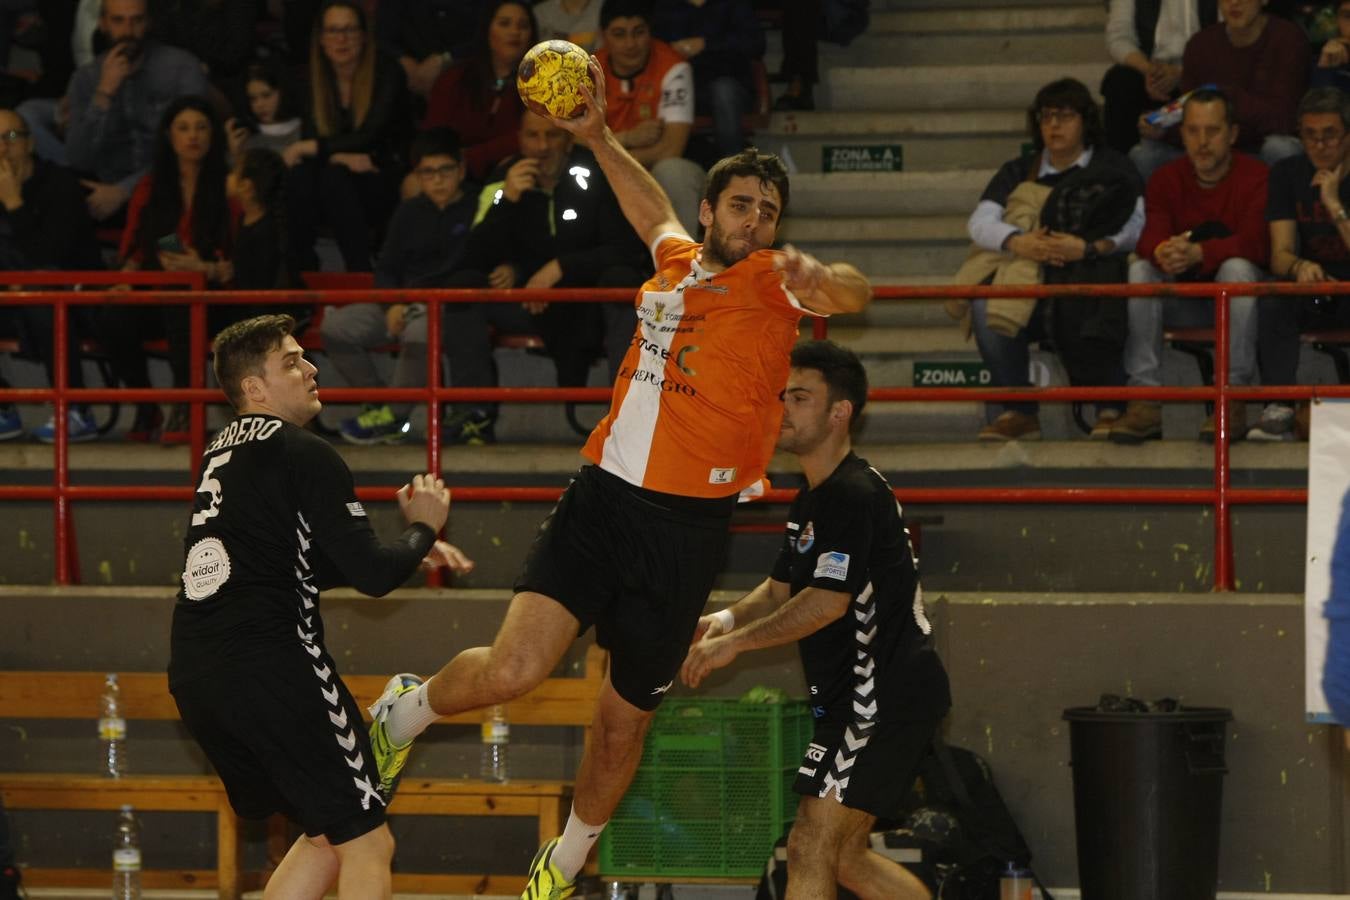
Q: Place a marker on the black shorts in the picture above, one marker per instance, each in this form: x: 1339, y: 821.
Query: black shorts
x: 636, y: 564
x: 871, y: 770
x: 285, y: 736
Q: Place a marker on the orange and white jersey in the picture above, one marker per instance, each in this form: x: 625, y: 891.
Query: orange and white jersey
x: 697, y: 405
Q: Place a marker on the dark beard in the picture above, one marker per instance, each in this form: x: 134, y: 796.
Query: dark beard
x: 715, y: 249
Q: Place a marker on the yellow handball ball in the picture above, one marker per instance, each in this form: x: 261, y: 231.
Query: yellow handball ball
x: 550, y: 78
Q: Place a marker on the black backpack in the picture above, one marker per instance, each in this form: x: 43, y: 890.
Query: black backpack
x: 958, y: 816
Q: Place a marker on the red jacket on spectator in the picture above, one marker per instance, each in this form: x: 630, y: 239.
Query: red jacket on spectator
x: 1264, y: 80
x: 136, y: 205
x: 487, y: 124
x: 1175, y: 203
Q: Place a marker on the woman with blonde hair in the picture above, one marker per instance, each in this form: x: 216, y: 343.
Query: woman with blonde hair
x: 346, y: 169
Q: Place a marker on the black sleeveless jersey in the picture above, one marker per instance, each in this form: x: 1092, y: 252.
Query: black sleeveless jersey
x: 275, y: 520
x: 876, y: 661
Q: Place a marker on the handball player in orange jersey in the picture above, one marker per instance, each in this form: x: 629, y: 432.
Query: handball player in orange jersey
x: 635, y: 542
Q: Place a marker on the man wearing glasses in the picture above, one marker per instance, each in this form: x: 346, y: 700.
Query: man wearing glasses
x: 1308, y: 212
x: 425, y: 240
x: 43, y: 225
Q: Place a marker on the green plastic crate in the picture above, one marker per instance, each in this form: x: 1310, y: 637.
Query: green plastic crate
x: 713, y: 792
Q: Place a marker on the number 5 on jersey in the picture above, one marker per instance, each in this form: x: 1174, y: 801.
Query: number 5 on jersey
x: 211, y: 486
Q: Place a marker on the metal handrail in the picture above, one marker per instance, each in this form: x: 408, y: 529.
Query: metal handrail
x: 1221, y: 496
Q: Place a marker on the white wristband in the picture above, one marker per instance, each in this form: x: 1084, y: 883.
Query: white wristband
x: 725, y: 619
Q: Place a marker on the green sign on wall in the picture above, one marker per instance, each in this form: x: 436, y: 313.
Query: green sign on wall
x: 862, y: 158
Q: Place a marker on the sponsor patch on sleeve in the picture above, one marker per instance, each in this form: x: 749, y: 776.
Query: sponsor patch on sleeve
x: 356, y: 509
x: 832, y: 565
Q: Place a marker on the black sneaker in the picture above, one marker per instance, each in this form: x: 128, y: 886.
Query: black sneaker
x: 471, y: 427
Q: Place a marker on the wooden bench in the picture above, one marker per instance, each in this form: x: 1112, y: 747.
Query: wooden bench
x: 565, y: 701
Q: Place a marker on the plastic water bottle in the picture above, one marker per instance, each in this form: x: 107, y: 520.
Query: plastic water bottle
x: 496, y: 737
x: 112, y: 729
x: 1015, y: 883
x: 127, y: 856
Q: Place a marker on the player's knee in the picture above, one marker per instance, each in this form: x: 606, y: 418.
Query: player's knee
x: 511, y: 675
x: 808, y: 846
x: 615, y: 737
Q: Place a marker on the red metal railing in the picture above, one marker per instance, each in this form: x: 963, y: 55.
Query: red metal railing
x: 62, y: 493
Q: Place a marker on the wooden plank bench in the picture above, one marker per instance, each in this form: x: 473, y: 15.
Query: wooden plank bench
x: 567, y: 701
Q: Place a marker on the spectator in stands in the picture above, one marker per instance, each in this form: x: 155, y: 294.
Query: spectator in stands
x: 1146, y: 38
x: 427, y: 36
x: 178, y: 221
x: 477, y: 95
x: 260, y: 260
x: 1308, y: 212
x: 1204, y: 222
x: 721, y: 39
x: 577, y: 21
x: 270, y: 115
x: 44, y: 224
x: 12, y: 12
x: 220, y: 33
x: 1261, y: 64
x: 802, y: 21
x: 549, y: 220
x: 426, y: 237
x: 1069, y: 213
x: 346, y: 169
x: 1333, y: 62
x: 650, y: 91
x: 115, y: 106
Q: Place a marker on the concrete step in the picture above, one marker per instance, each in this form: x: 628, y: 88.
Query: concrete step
x: 957, y: 48
x: 952, y: 193
x: 1037, y: 20
x: 896, y: 314
x: 871, y: 341
x: 929, y: 260
x: 877, y: 229
x: 930, y: 140
x: 946, y: 87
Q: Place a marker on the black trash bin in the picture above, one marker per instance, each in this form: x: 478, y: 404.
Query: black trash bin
x: 1147, y: 795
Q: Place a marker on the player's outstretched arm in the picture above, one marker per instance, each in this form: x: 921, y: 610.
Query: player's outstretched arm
x: 829, y: 289
x: 642, y: 200
x: 806, y: 613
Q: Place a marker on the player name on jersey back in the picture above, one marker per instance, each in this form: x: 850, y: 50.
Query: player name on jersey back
x: 244, y: 429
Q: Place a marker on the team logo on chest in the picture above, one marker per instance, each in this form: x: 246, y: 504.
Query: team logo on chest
x: 807, y: 538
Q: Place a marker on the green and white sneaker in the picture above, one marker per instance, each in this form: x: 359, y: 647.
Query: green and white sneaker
x: 389, y: 759
x: 546, y: 882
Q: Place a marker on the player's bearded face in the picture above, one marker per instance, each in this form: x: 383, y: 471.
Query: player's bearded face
x: 745, y: 220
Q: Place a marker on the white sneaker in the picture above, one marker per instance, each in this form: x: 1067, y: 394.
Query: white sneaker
x: 1277, y: 424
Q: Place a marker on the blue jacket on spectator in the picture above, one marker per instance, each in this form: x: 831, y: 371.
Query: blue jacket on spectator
x: 117, y: 144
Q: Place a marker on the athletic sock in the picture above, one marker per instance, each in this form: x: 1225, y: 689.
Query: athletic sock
x: 577, y: 840
x: 410, y: 715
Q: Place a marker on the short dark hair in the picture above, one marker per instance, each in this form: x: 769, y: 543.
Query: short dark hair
x: 435, y: 142
x: 1066, y: 93
x: 1326, y: 100
x: 844, y: 375
x: 242, y: 348
x: 624, y: 9
x: 1210, y: 95
x: 768, y: 168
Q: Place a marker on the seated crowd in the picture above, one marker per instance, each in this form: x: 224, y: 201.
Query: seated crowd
x: 1239, y: 139
x: 195, y: 137
x: 393, y: 129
